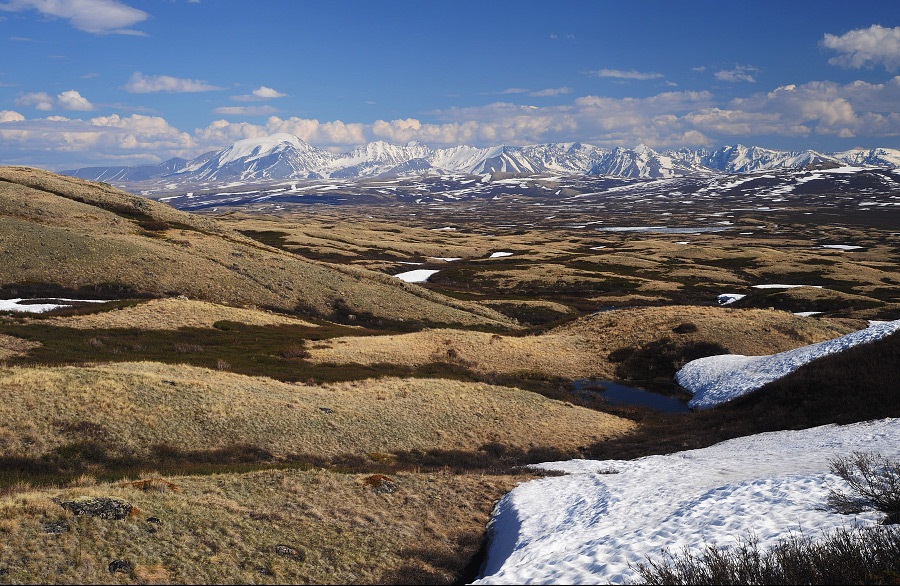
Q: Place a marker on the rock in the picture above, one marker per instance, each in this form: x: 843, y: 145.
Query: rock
x: 120, y: 567
x: 103, y: 507
x: 290, y: 552
x: 55, y: 527
x: 153, y: 524
x: 382, y: 484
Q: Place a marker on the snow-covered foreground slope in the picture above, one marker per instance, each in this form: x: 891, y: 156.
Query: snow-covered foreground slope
x: 716, y: 379
x: 588, y: 526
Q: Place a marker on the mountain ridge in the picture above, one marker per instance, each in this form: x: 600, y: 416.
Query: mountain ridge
x: 285, y: 156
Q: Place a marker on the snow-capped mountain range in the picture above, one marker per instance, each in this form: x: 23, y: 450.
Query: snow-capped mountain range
x: 285, y: 156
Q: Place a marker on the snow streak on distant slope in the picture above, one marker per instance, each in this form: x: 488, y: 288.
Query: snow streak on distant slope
x: 284, y: 156
x: 716, y: 379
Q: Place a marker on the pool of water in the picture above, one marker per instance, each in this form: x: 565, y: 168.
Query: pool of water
x: 617, y: 394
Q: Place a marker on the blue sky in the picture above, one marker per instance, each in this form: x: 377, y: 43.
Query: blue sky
x: 86, y: 82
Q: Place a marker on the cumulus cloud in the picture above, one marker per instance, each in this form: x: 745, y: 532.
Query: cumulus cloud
x: 146, y: 84
x: 669, y: 119
x: 830, y: 108
x: 103, y: 139
x: 259, y: 94
x: 619, y: 74
x: 245, y: 110
x: 10, y: 116
x: 866, y: 47
x: 92, y: 16
x: 68, y: 100
x: 37, y: 100
x: 738, y: 73
x: 72, y: 100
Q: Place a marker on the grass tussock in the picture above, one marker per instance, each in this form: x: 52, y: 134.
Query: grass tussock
x: 271, y: 527
x: 11, y: 346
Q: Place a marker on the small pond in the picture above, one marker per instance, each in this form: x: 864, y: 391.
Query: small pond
x: 617, y: 394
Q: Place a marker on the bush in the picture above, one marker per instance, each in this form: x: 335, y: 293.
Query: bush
x: 875, y: 484
x: 860, y: 556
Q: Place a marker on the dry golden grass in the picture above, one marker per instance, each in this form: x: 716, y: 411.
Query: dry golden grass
x: 750, y: 332
x: 171, y: 314
x: 364, y: 239
x: 224, y: 529
x: 62, y: 241
x: 11, y: 346
x: 532, y: 303
x: 580, y: 349
x: 131, y: 407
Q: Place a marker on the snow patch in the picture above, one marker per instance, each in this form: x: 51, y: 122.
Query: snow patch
x: 17, y: 305
x: 841, y: 246
x: 717, y: 379
x: 592, y: 526
x: 729, y: 298
x: 416, y: 276
x: 780, y: 286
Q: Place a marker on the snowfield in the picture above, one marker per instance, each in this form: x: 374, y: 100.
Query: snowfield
x: 716, y: 379
x: 588, y: 527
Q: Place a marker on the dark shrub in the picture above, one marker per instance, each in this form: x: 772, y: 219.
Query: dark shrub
x: 875, y: 484
x: 860, y: 556
x: 685, y: 328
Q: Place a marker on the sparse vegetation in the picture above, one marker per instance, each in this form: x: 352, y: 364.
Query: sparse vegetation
x: 860, y: 556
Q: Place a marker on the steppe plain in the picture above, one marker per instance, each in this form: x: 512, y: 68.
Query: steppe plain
x: 278, y: 407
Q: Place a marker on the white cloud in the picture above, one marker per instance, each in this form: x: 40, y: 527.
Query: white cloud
x: 266, y: 93
x: 101, y: 139
x: 72, y: 100
x: 866, y: 47
x: 739, y: 73
x: 139, y: 83
x: 38, y: 100
x: 68, y: 100
x: 259, y: 94
x: 829, y: 108
x: 10, y: 116
x: 619, y: 74
x: 92, y: 16
x: 245, y: 110
x: 549, y: 92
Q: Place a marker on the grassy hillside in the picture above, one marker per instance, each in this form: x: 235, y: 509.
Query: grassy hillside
x: 60, y: 234
x: 644, y: 343
x: 114, y: 414
x: 267, y: 527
